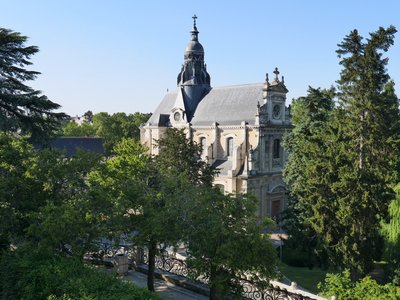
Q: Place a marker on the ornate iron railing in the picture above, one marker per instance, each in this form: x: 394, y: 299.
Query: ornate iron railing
x: 251, y: 291
x: 171, y: 264
x: 108, y: 250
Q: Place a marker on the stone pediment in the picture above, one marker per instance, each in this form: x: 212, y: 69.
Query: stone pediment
x: 278, y: 189
x: 278, y: 87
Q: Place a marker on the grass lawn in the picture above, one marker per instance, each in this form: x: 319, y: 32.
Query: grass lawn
x: 306, y: 278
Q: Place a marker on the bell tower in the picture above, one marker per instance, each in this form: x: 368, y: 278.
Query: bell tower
x: 274, y: 96
x: 193, y: 79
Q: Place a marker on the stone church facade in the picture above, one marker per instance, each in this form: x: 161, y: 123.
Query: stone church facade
x: 240, y: 128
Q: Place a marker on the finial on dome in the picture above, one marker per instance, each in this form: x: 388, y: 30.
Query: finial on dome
x: 266, y: 77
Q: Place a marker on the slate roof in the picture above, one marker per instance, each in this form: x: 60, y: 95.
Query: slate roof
x: 229, y: 105
x: 72, y: 144
x: 223, y: 166
x: 163, y: 109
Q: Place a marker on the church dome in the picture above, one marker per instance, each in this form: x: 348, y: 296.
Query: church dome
x: 194, y: 46
x: 194, y: 70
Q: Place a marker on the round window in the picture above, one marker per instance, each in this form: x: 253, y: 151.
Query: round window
x: 177, y: 116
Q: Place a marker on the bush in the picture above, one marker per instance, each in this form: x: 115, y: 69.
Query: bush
x: 30, y: 275
x: 365, y: 289
x: 296, y: 257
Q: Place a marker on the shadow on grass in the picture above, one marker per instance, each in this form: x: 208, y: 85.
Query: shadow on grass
x: 307, y: 278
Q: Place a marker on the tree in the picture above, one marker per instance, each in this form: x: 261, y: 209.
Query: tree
x: 222, y: 233
x: 148, y: 194
x: 117, y: 126
x: 69, y: 218
x: 372, y: 114
x: 391, y: 232
x: 143, y: 202
x: 16, y: 187
x: 112, y: 128
x: 74, y: 129
x: 340, y: 167
x: 310, y: 169
x: 88, y: 116
x: 22, y: 108
x: 344, y: 288
x: 45, y: 199
x: 371, y: 129
x: 225, y: 244
x: 178, y: 154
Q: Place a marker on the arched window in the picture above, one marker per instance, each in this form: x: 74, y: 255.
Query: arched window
x: 277, y: 148
x: 229, y: 146
x: 203, y: 143
x: 277, y: 198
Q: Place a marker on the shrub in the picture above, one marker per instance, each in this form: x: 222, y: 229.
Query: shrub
x: 30, y: 275
x: 365, y: 289
x: 296, y: 257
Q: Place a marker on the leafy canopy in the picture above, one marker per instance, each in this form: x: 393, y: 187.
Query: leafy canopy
x: 22, y: 108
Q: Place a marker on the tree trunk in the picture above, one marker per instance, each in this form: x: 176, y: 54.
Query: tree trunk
x: 151, y: 266
x: 214, y: 295
x: 213, y: 292
x: 361, y: 145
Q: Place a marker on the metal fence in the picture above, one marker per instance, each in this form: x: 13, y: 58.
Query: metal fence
x: 169, y: 263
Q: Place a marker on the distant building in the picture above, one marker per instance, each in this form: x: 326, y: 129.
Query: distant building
x: 240, y: 128
x: 77, y: 119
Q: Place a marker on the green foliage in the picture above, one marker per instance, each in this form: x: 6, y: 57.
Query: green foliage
x: 370, y: 129
x: 392, y: 229
x: 296, y: 258
x: 23, y: 109
x: 344, y: 288
x: 69, y: 214
x: 18, y: 188
x: 303, y: 247
x: 225, y: 241
x: 28, y: 274
x: 341, y: 160
x: 180, y: 155
x: 112, y: 128
x: 126, y: 182
x: 309, y: 172
x: 44, y: 197
x: 142, y: 199
x: 391, y: 232
x: 74, y: 129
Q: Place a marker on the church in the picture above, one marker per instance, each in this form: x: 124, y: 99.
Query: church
x: 240, y: 128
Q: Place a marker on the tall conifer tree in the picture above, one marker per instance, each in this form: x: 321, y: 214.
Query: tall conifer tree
x: 370, y: 128
x: 22, y: 108
x: 341, y: 167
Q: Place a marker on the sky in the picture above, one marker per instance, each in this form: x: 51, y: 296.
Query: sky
x: 123, y: 56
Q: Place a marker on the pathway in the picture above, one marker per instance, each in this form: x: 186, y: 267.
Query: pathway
x: 165, y: 289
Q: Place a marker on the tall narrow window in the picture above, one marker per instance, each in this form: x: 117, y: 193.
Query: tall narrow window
x: 229, y: 146
x: 277, y: 148
x: 203, y: 143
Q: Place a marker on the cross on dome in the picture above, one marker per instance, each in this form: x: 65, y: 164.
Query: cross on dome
x: 194, y: 20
